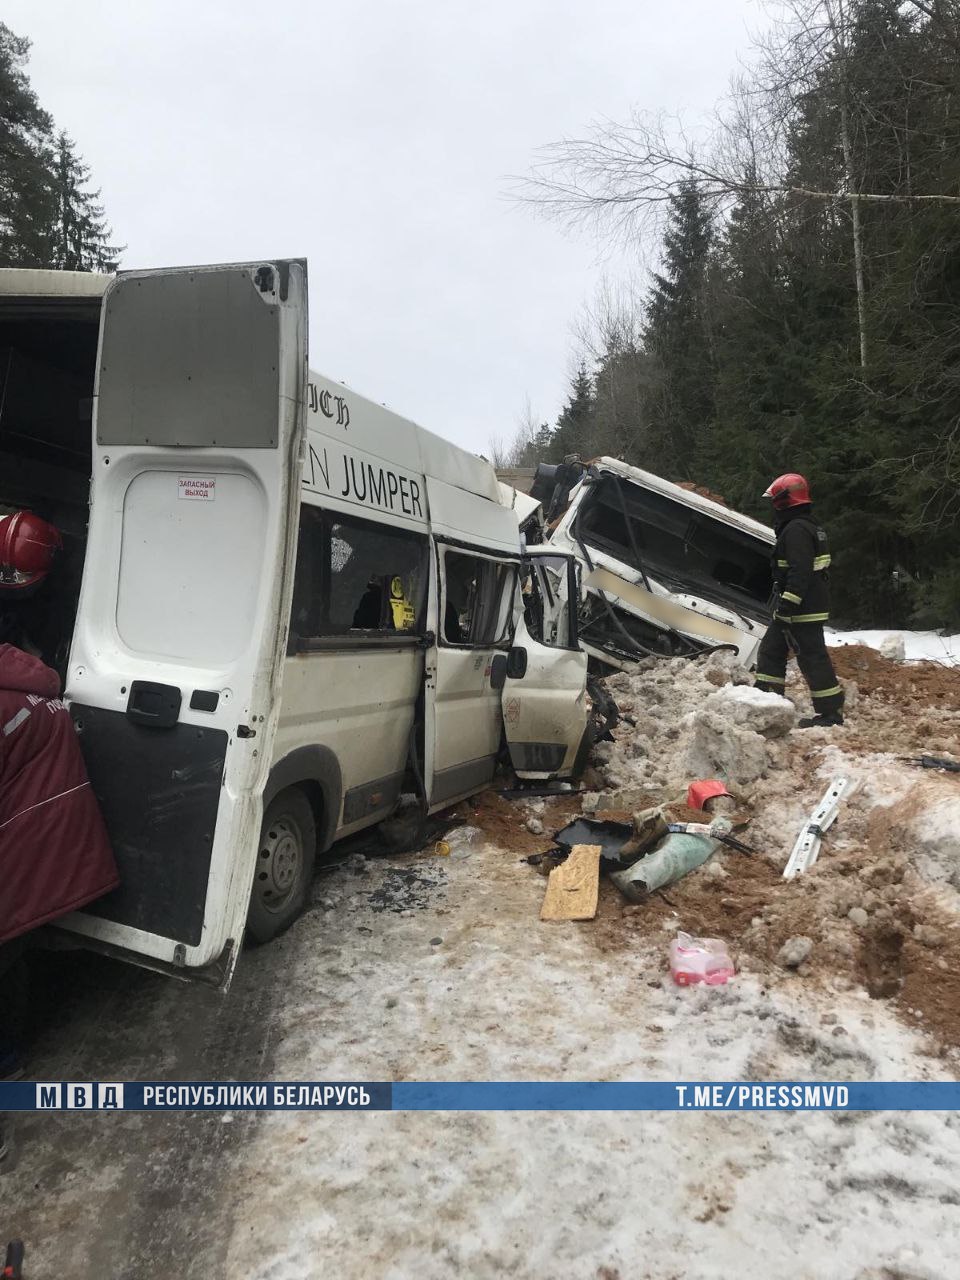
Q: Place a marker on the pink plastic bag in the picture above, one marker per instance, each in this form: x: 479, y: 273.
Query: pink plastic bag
x: 700, y: 960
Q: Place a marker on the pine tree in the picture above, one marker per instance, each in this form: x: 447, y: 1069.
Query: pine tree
x: 27, y: 197
x: 575, y: 425
x: 82, y: 232
x: 48, y: 215
x: 677, y: 337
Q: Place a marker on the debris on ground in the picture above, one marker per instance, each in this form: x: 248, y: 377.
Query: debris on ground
x: 806, y: 850
x: 676, y: 855
x: 879, y: 912
x: 573, y: 888
x: 694, y: 960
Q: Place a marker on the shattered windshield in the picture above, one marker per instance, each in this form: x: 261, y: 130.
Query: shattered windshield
x: 680, y: 546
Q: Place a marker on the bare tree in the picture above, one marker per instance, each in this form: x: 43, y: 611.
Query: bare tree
x: 619, y: 177
x: 519, y: 450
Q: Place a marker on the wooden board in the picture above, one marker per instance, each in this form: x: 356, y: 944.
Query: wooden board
x: 574, y: 886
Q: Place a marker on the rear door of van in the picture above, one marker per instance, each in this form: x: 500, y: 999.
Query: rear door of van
x: 177, y: 655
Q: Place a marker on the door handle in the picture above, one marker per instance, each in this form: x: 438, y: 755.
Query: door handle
x: 155, y: 705
x: 517, y: 663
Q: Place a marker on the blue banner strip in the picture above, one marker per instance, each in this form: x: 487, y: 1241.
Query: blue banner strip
x: 678, y: 1096
x: 299, y: 1095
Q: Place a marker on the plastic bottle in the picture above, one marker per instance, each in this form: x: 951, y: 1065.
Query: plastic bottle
x: 700, y: 960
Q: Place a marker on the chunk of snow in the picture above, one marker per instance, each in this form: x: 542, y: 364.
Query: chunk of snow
x: 893, y: 647
x: 794, y: 951
x: 766, y: 713
x: 719, y: 748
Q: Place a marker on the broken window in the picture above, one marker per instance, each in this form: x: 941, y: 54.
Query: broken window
x: 478, y: 595
x: 549, y: 586
x: 356, y: 578
x: 682, y: 547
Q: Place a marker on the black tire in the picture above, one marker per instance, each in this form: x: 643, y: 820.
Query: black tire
x: 285, y: 859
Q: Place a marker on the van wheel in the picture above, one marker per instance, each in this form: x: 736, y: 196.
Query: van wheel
x: 288, y: 848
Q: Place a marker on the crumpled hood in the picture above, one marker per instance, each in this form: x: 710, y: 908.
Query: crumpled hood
x: 20, y: 673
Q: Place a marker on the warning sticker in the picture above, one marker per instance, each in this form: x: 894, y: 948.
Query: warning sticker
x: 199, y: 488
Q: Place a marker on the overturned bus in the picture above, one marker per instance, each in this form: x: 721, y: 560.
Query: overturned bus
x: 279, y: 608
x: 666, y: 571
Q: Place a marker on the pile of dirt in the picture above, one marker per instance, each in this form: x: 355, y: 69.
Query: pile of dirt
x: 907, y: 685
x: 504, y: 822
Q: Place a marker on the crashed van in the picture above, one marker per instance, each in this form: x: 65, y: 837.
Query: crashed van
x: 280, y: 607
x: 666, y: 571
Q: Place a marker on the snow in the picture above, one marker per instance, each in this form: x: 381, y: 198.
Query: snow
x: 918, y: 645
x: 583, y: 1195
x: 766, y: 713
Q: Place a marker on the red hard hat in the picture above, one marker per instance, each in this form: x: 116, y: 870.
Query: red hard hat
x: 28, y: 546
x: 790, y: 490
x: 699, y: 793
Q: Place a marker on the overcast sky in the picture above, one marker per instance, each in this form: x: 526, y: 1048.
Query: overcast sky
x: 373, y: 137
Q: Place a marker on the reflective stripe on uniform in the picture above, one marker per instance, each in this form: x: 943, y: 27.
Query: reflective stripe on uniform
x: 789, y: 595
x: 826, y: 693
x: 16, y: 722
x: 807, y: 617
x: 771, y: 679
x: 819, y: 562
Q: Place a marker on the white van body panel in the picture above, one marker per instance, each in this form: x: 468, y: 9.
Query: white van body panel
x: 352, y: 701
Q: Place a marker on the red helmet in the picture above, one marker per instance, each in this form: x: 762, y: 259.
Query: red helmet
x: 790, y: 490
x: 28, y: 546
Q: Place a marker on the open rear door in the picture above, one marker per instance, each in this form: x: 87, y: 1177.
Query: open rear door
x: 545, y: 694
x: 177, y: 655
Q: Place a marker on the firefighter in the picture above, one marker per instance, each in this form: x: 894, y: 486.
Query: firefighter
x: 801, y: 604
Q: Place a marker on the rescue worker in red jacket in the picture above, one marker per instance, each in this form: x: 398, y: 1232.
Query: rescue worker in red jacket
x: 54, y: 851
x: 801, y: 604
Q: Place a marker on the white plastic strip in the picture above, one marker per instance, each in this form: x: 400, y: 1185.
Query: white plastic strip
x: 807, y: 847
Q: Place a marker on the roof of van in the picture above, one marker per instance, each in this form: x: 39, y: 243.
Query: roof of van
x: 18, y: 282
x: 380, y: 432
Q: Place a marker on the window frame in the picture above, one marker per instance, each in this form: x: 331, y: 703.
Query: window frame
x: 329, y: 637
x: 491, y: 556
x: 534, y: 562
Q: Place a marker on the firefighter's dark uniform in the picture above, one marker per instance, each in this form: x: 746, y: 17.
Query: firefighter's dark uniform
x: 801, y: 561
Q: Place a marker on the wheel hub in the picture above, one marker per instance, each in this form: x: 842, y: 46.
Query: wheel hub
x: 281, y: 858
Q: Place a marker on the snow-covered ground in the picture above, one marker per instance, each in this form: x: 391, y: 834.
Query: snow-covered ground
x: 439, y: 968
x: 503, y: 996
x: 929, y: 645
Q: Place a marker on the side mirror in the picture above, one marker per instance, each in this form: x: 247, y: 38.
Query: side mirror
x: 517, y: 663
x: 498, y: 671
